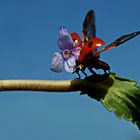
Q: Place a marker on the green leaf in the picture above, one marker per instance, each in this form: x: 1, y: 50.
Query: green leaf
x: 117, y: 94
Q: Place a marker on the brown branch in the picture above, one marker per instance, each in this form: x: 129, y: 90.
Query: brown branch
x: 44, y: 85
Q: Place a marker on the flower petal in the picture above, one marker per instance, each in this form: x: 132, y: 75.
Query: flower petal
x: 76, y: 52
x: 57, y: 64
x: 64, y: 40
x: 70, y: 64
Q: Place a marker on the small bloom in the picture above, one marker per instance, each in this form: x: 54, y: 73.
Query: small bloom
x: 66, y: 58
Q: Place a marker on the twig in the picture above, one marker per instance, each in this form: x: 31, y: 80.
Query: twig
x: 44, y: 85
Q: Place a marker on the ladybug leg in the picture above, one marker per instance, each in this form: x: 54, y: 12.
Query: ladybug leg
x: 77, y: 72
x: 93, y: 72
x: 84, y: 72
x: 106, y: 71
x: 79, y: 76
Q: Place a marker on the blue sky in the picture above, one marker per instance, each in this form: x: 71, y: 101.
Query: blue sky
x: 28, y: 34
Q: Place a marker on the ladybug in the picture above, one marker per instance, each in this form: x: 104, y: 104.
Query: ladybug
x: 90, y: 55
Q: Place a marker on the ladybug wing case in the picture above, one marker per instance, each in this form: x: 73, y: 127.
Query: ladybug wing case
x: 90, y: 46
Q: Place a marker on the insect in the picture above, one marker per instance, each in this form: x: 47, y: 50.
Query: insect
x: 89, y: 55
x: 77, y: 54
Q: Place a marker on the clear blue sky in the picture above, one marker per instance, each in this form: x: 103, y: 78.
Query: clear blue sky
x: 28, y: 34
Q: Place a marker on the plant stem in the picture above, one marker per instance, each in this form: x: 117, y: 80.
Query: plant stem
x: 42, y: 85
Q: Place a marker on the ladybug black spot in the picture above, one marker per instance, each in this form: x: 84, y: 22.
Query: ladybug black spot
x: 90, y: 44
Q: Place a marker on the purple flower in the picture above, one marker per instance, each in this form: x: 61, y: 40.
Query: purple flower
x: 66, y: 58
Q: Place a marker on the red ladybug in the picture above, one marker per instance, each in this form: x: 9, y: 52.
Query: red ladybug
x: 89, y: 55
